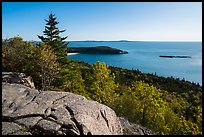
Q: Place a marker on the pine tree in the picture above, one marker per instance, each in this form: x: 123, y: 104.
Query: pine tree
x: 53, y: 39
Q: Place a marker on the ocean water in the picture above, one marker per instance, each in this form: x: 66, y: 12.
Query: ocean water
x: 145, y: 57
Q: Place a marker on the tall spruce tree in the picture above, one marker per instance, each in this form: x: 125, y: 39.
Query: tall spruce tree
x: 53, y: 39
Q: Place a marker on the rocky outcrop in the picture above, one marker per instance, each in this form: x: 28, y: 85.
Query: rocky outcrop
x: 134, y: 129
x: 27, y: 111
x: 20, y: 78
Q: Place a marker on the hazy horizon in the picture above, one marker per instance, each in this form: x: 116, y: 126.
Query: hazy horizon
x: 106, y: 21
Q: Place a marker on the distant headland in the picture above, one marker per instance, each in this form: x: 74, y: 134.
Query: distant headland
x: 96, y: 50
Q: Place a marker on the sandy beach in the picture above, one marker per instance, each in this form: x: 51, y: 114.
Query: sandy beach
x: 72, y: 54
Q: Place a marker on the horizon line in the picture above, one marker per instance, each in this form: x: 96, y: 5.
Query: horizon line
x: 127, y: 40
x: 146, y: 40
x: 135, y: 40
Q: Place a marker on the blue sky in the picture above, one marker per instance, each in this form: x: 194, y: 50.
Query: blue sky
x: 144, y: 21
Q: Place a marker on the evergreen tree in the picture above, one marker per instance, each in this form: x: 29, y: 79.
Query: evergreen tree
x: 53, y: 39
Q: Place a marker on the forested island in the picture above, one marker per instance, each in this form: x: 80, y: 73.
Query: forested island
x: 168, y: 106
x: 96, y: 50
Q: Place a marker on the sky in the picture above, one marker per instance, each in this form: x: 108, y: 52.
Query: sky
x: 135, y: 21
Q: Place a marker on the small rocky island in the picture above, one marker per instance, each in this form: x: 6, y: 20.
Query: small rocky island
x: 96, y: 50
x: 175, y: 56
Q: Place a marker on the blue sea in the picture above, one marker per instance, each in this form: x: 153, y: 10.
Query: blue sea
x: 145, y: 57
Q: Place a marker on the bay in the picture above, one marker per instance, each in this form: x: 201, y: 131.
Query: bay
x: 145, y: 57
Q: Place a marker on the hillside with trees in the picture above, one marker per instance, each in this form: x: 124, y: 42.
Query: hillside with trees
x: 168, y: 106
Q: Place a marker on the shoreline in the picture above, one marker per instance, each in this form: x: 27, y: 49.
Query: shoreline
x: 72, y: 54
x: 151, y: 74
